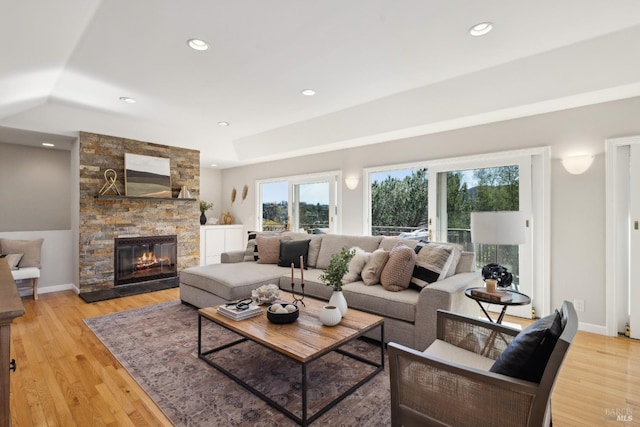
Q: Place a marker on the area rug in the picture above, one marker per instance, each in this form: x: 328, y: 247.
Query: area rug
x: 158, y: 347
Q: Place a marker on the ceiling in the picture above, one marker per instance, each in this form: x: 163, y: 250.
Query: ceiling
x: 381, y: 69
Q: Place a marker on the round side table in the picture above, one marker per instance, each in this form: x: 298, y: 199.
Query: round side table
x: 517, y: 298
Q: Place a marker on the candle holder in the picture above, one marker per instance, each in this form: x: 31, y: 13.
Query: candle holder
x: 295, y: 298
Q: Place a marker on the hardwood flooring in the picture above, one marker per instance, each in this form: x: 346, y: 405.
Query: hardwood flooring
x: 66, y: 377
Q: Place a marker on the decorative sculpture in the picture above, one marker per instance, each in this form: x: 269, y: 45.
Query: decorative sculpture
x: 110, y: 177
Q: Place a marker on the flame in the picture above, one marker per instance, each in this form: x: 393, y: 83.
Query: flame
x: 146, y: 260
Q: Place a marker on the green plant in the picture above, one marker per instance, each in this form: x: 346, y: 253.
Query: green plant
x: 338, y: 267
x: 205, y: 206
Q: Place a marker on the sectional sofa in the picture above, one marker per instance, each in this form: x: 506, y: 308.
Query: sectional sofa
x: 410, y: 314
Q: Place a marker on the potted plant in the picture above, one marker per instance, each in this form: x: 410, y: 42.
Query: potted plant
x: 332, y: 276
x: 204, y: 206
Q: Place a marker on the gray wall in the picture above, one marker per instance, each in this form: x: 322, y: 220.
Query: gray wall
x: 35, y: 202
x: 35, y: 193
x: 577, y: 202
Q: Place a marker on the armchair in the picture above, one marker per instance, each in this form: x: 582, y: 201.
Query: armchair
x: 450, y: 383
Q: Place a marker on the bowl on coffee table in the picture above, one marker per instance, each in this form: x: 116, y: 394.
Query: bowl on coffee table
x: 282, y: 312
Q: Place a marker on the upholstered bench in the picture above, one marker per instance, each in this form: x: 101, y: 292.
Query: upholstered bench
x: 23, y: 257
x: 28, y: 273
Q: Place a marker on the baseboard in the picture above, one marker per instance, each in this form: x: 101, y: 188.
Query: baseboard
x: 28, y: 291
x: 594, y: 329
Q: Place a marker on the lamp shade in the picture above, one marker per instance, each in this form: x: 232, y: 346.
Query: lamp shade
x: 498, y: 228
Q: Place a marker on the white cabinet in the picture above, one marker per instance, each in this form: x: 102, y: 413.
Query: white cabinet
x: 215, y: 239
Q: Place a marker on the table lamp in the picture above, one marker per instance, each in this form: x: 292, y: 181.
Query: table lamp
x: 498, y: 228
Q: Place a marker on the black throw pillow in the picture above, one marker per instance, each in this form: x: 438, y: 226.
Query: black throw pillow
x: 527, y: 354
x: 291, y: 251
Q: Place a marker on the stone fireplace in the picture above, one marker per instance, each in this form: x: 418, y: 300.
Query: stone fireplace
x: 101, y: 220
x: 142, y: 259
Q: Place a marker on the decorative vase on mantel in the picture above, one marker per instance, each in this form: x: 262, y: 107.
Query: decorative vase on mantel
x: 338, y: 300
x: 203, y: 219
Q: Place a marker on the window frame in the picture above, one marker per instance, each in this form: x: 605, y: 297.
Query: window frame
x: 539, y: 219
x: 335, y: 196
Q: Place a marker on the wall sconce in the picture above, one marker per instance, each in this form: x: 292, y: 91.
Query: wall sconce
x: 577, y: 165
x: 351, y: 182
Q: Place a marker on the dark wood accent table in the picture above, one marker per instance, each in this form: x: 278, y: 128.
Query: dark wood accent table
x: 304, y: 341
x: 516, y: 299
x: 10, y: 308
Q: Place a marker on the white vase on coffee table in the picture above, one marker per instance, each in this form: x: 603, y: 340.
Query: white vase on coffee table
x: 330, y: 315
x: 338, y: 300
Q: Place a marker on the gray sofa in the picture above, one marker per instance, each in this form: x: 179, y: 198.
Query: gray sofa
x: 410, y: 315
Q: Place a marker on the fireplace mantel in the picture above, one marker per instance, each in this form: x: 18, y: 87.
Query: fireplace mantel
x: 99, y: 197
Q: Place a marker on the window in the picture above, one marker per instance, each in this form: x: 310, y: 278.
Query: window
x: 301, y: 203
x: 480, y: 190
x: 442, y: 205
x: 399, y: 202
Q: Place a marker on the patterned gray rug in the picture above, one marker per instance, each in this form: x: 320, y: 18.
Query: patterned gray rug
x: 158, y: 346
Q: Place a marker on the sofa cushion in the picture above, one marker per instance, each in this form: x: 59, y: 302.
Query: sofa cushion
x: 373, y: 268
x: 527, y: 354
x: 291, y: 251
x: 396, y: 274
x: 387, y: 243
x: 29, y: 248
x: 356, y: 264
x: 377, y: 300
x: 434, y: 261
x: 231, y: 281
x: 334, y: 243
x: 467, y: 262
x: 12, y: 259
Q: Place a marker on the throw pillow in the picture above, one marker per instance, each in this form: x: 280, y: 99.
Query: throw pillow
x: 373, y: 268
x: 30, y: 249
x: 527, y: 354
x: 434, y: 261
x: 251, y: 251
x: 356, y: 264
x: 13, y: 260
x: 268, y: 249
x: 396, y: 274
x: 291, y: 251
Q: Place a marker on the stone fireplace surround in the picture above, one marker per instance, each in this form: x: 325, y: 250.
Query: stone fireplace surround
x: 101, y: 221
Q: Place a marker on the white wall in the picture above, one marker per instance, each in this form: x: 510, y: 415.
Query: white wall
x: 578, y: 240
x: 577, y: 211
x: 210, y: 187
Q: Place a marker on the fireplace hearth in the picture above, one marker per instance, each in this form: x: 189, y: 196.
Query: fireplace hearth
x: 142, y: 259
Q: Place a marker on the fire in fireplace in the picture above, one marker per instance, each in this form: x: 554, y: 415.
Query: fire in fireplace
x: 141, y: 259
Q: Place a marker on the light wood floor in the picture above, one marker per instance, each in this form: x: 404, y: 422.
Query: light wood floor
x: 65, y: 377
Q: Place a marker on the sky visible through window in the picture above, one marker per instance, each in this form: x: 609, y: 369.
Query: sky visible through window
x: 312, y: 193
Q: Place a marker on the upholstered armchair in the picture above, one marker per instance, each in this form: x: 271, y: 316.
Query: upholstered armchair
x: 452, y: 383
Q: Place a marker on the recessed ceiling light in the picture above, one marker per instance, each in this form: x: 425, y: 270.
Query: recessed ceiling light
x: 197, y: 44
x: 48, y: 144
x: 127, y: 100
x: 223, y: 123
x: 308, y: 92
x: 213, y: 165
x: 481, y: 29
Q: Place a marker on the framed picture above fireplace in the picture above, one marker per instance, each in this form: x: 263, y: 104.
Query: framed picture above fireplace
x: 147, y: 176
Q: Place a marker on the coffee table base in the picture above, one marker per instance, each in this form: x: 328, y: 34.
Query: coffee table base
x: 305, y: 419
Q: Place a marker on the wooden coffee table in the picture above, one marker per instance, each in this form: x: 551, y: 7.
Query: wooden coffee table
x: 303, y: 341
